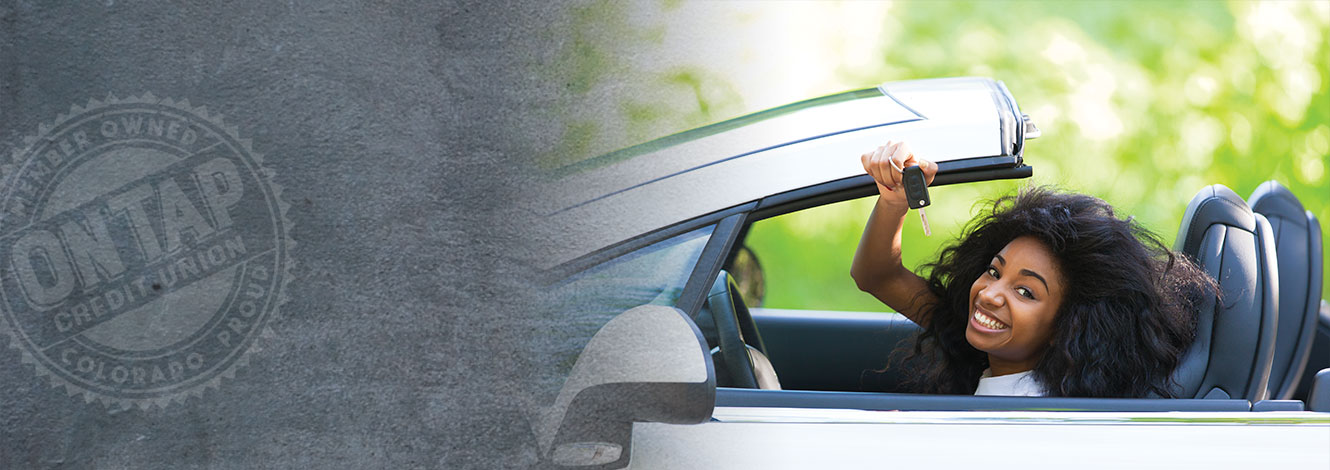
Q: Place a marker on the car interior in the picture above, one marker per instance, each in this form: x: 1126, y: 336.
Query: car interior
x: 1255, y: 348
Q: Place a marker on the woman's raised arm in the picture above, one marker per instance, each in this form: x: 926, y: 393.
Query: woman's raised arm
x: 877, y: 267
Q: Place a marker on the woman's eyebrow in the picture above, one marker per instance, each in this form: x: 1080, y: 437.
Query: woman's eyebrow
x: 1035, y: 275
x: 1001, y: 259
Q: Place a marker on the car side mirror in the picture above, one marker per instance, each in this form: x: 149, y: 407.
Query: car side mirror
x: 649, y: 364
x: 1318, y: 399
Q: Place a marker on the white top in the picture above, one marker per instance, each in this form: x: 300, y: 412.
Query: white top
x: 1020, y: 384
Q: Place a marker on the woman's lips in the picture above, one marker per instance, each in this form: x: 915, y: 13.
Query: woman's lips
x: 986, y: 321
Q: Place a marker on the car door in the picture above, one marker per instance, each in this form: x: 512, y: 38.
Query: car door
x: 750, y: 437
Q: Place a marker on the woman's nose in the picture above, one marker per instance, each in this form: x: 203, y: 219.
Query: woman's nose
x: 989, y: 297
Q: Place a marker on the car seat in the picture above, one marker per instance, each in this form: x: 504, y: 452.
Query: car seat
x: 1298, y: 249
x: 1235, y: 334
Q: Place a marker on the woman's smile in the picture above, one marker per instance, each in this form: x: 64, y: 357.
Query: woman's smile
x: 987, y: 321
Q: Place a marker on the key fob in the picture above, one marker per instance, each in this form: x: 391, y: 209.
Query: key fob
x: 916, y: 189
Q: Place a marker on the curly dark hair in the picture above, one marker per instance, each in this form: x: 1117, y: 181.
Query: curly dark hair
x: 1128, y: 313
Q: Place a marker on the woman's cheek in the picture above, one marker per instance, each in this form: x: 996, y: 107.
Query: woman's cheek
x: 975, y: 287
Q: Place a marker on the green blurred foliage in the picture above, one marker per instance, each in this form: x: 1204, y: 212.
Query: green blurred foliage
x: 1140, y: 103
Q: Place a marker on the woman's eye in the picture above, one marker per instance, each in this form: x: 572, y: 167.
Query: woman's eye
x: 1025, y: 292
x: 992, y: 271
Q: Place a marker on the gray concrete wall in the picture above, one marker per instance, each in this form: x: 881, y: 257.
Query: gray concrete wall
x: 395, y: 132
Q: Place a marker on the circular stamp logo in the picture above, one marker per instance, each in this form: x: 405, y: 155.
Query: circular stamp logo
x: 144, y: 250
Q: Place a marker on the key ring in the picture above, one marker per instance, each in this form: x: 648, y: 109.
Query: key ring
x: 892, y: 161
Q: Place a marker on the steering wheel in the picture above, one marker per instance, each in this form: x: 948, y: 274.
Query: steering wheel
x: 741, y: 349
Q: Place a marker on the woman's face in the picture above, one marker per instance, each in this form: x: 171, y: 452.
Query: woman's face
x: 1013, y: 304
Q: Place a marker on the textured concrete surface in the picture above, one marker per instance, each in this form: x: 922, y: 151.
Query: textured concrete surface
x: 398, y: 131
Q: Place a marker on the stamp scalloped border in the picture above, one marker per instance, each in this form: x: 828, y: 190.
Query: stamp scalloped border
x: 19, y: 155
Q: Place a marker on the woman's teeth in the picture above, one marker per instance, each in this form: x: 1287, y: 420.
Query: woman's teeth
x: 988, y: 322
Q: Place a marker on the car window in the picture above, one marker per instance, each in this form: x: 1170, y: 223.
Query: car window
x: 801, y: 260
x: 584, y: 302
x: 805, y: 255
x: 654, y: 274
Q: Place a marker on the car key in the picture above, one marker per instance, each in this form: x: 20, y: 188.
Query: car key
x: 916, y: 192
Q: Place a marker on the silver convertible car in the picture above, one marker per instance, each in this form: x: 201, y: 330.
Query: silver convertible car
x: 676, y: 368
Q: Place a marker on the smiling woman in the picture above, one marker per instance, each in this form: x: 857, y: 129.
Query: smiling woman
x: 1048, y: 294
x: 1013, y: 314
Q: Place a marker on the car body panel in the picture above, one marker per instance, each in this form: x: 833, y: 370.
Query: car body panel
x: 803, y: 148
x: 795, y: 438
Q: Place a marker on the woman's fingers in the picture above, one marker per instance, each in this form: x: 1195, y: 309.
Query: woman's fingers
x: 930, y: 171
x: 891, y: 150
x: 886, y: 163
x: 866, y: 159
x: 871, y: 165
x: 899, y: 159
x: 883, y: 166
x: 929, y: 168
x: 903, y: 157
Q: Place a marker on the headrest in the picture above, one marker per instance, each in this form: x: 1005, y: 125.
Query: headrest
x: 1298, y: 248
x: 1272, y: 200
x: 1214, y: 204
x: 1231, y: 355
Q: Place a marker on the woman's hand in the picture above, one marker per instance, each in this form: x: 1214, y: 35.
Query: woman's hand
x: 877, y: 267
x: 883, y: 163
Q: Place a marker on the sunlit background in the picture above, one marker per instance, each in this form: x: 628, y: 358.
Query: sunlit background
x: 1140, y: 103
